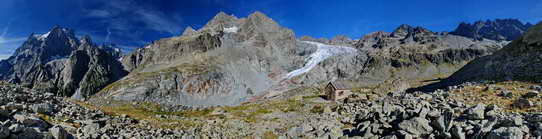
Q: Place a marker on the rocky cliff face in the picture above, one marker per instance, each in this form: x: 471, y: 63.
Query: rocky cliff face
x: 59, y: 62
x: 519, y: 60
x: 226, y: 62
x: 500, y: 29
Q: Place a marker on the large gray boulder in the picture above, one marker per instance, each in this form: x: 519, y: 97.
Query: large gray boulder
x: 506, y: 133
x: 58, y: 132
x: 416, y: 126
x: 43, y: 108
x: 31, y: 121
x: 476, y: 112
x: 4, y: 132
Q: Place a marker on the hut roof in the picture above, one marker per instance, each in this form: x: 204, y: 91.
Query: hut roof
x: 339, y: 85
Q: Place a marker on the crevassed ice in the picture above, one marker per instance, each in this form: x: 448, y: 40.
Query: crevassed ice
x: 323, y: 52
x: 231, y: 29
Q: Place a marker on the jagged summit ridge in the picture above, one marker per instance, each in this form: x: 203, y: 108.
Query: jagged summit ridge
x: 188, y: 31
x: 499, y: 29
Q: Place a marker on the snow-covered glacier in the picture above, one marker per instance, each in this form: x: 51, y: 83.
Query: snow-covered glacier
x: 323, y: 52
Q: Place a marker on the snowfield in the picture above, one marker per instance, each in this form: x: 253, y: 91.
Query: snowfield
x: 323, y: 52
x: 231, y: 29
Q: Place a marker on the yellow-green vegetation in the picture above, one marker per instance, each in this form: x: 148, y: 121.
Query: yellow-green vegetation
x: 46, y: 118
x: 270, y: 135
x: 250, y: 113
x: 486, y: 95
x: 149, y: 112
x: 317, y: 109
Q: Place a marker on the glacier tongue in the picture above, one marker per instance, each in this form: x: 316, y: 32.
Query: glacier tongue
x: 323, y: 52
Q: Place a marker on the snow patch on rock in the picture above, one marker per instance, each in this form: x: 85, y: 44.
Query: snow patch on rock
x: 233, y: 29
x: 44, y: 36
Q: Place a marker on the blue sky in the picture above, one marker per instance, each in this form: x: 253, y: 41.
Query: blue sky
x: 133, y: 23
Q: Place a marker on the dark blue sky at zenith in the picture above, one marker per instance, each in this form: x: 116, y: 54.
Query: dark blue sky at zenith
x: 134, y: 23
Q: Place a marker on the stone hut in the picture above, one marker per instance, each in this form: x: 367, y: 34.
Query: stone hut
x: 337, y: 90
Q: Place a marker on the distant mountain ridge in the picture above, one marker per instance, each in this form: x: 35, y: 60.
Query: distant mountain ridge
x: 499, y: 29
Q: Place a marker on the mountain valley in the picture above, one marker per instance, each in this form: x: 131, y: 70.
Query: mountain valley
x: 250, y: 77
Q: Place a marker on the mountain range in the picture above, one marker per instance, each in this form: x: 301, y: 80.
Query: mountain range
x: 499, y: 29
x: 242, y: 77
x: 232, y: 60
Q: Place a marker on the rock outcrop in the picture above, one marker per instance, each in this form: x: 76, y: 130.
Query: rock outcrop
x: 59, y: 62
x: 499, y: 29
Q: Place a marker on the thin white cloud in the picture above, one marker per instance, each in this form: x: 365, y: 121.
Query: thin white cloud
x: 8, y: 44
x: 121, y: 15
x: 7, y: 41
x: 107, y: 38
x: 5, y: 32
x: 159, y: 22
x: 11, y: 40
x: 99, y: 13
x: 4, y: 56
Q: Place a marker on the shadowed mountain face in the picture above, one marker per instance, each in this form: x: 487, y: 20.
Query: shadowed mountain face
x: 500, y: 29
x: 519, y: 60
x: 59, y: 62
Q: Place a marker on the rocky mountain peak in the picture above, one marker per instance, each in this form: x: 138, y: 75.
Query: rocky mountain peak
x: 408, y: 33
x: 341, y: 39
x: 86, y: 40
x: 58, y: 61
x: 259, y: 16
x: 60, y: 33
x: 260, y: 20
x: 499, y: 29
x: 402, y: 31
x: 188, y: 31
x: 221, y: 21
